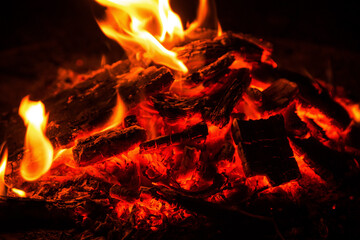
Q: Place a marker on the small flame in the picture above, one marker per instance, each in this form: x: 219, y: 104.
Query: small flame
x: 2, y: 170
x: 206, y: 18
x: 38, y: 154
x: 118, y: 114
x: 19, y: 192
x: 140, y: 27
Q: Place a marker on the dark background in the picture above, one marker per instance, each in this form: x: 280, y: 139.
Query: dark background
x: 39, y: 36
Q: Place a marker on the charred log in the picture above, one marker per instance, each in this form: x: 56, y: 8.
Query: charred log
x: 279, y: 94
x: 202, y: 52
x: 106, y: 144
x: 264, y: 149
x: 214, y: 71
x: 215, y: 108
x: 196, y: 132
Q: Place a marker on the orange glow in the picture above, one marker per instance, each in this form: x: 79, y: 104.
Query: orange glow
x: 140, y: 26
x: 19, y: 192
x: 38, y: 153
x: 2, y: 170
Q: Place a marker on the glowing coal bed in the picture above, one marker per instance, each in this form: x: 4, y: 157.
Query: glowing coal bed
x: 198, y: 134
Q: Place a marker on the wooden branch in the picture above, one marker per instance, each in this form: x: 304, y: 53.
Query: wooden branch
x: 106, y: 144
x: 264, y: 149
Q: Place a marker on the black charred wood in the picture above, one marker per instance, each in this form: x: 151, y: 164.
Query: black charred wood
x: 218, y: 107
x: 293, y: 124
x: 264, y: 149
x: 214, y: 71
x: 279, y: 94
x: 106, y: 144
x: 326, y: 162
x: 353, y: 137
x: 136, y: 86
x: 196, y: 132
x: 199, y: 53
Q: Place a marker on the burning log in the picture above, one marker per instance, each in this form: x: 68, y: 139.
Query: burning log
x: 279, y: 94
x: 196, y: 132
x: 213, y: 71
x: 202, y: 52
x: 215, y: 108
x: 106, y: 144
x: 264, y: 149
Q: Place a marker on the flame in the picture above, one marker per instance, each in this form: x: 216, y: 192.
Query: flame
x: 38, y: 154
x: 206, y: 18
x: 19, y: 192
x: 140, y: 26
x: 118, y: 114
x: 2, y: 170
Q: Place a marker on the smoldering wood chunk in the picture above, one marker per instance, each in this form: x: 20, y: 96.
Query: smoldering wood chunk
x: 202, y: 52
x: 353, y: 137
x: 264, y: 149
x: 255, y: 95
x: 141, y: 83
x: 293, y: 124
x: 216, y: 107
x: 279, y: 94
x: 213, y: 71
x: 106, y: 144
x: 325, y: 161
x: 196, y: 132
x: 312, y: 94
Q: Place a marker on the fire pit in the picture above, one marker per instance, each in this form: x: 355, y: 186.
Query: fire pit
x: 196, y: 133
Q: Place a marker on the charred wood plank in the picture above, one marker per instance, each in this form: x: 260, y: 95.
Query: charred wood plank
x: 106, y: 144
x: 196, y: 132
x: 264, y: 149
x: 279, y: 94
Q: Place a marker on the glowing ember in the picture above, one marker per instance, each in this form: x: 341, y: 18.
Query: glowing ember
x: 141, y: 26
x: 38, y: 154
x: 2, y: 170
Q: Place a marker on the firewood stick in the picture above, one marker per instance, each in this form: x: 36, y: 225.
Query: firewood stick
x: 196, y: 132
x: 106, y: 144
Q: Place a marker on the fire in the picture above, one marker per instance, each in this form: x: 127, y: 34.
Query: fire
x: 147, y: 28
x: 118, y: 114
x: 2, y: 170
x: 140, y: 27
x: 38, y: 154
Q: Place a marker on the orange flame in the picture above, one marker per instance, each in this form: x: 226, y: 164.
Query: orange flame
x: 38, y: 154
x: 206, y: 17
x: 140, y: 25
x: 19, y: 192
x: 2, y: 170
x: 118, y: 114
